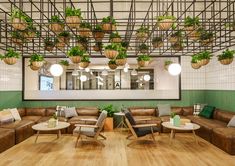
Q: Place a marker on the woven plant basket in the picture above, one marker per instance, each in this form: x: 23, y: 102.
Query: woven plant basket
x: 110, y: 54
x: 226, y: 61
x: 204, y: 62
x: 10, y: 61
x: 173, y: 40
x: 158, y: 44
x: 165, y: 24
x: 49, y: 48
x: 73, y: 21
x: 85, y: 32
x: 19, y: 24
x: 195, y: 65
x: 75, y: 59
x: 84, y: 64
x: 17, y: 41
x: 141, y: 36
x: 112, y: 66
x: 206, y: 42
x: 57, y: 28
x: 37, y: 64
x: 107, y: 27
x: 116, y: 40
x: 121, y: 62
x: 143, y: 63
x: 98, y: 36
x: 34, y: 68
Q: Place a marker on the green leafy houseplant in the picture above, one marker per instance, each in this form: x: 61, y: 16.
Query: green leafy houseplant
x: 81, y: 39
x: 64, y: 62
x: 178, y: 46
x: 85, y: 25
x: 17, y: 37
x: 10, y: 57
x: 98, y: 28
x: 108, y: 24
x: 65, y: 34
x: 195, y: 62
x: 121, y: 59
x: 166, y: 64
x: 122, y: 55
x: 110, y: 110
x: 19, y: 19
x: 191, y: 21
x: 56, y: 24
x: 143, y: 29
x: 206, y: 38
x: 226, y: 57
x: 72, y: 12
x: 114, y: 35
x: 172, y: 115
x: 178, y: 34
x: 75, y: 51
x: 142, y: 33
x: 166, y: 17
x: 125, y: 44
x: 36, y: 58
x: 143, y: 48
x: 112, y: 64
x: 166, y: 22
x: 85, y: 58
x: 109, y: 19
x: 143, y: 58
x: 113, y: 46
x: 205, y: 55
x: 55, y: 19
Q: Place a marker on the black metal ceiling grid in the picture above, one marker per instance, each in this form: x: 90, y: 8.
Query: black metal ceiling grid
x: 214, y: 16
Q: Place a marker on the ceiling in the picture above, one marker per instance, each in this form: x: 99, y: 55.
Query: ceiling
x: 130, y: 15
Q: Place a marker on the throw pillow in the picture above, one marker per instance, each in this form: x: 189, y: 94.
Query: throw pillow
x: 231, y: 123
x: 164, y: 109
x: 60, y: 110
x: 70, y: 112
x: 207, y: 112
x: 6, y: 117
x: 15, y: 114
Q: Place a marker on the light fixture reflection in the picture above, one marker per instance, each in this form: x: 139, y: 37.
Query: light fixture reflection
x: 174, y: 69
x: 56, y: 70
x: 147, y: 77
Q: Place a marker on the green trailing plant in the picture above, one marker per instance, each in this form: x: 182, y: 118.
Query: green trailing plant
x: 17, y: 35
x: 204, y: 35
x: 17, y: 13
x: 54, y: 116
x: 49, y: 42
x: 36, y: 58
x: 143, y: 47
x: 10, y: 54
x: 191, y: 21
x: 226, y: 54
x: 161, y: 18
x: 122, y: 55
x: 112, y: 62
x: 125, y: 44
x: 85, y: 58
x: 109, y: 19
x: 65, y: 34
x: 168, y: 62
x: 64, y: 62
x: 72, y: 12
x: 85, y: 25
x: 56, y: 19
x: 195, y: 58
x: 110, y: 110
x: 32, y: 29
x: 205, y: 55
x: 143, y: 29
x: 157, y: 40
x: 113, y: 46
x: 143, y: 58
x: 75, y: 51
x: 82, y: 39
x: 114, y: 35
x: 98, y: 28
x: 172, y: 115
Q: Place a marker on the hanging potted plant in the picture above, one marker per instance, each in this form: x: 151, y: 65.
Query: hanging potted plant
x: 59, y: 45
x: 30, y: 32
x: 10, y: 57
x: 108, y: 125
x: 195, y: 62
x: 175, y: 37
x: 226, y: 57
x: 36, y: 60
x: 98, y: 33
x: 56, y: 25
x: 206, y: 38
x: 125, y: 44
x: 178, y: 46
x: 49, y: 44
x: 75, y: 54
x: 112, y: 64
x: 143, y: 48
x: 17, y: 38
x: 108, y: 24
x: 191, y: 24
x: 64, y: 37
x: 85, y: 29
x: 121, y: 58
x: 142, y: 33
x: 73, y: 17
x: 98, y: 46
x: 18, y: 19
x: 85, y: 61
x: 165, y: 22
x: 205, y: 57
x: 64, y: 63
x: 143, y: 60
x: 167, y: 64
x: 111, y: 50
x: 157, y: 42
x: 115, y: 38
x: 82, y: 42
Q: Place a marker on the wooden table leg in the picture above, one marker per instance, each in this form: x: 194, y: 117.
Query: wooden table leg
x: 195, y: 137
x: 58, y: 134
x: 172, y: 135
x: 37, y: 136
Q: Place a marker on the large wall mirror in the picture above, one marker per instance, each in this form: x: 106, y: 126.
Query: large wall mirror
x: 98, y: 82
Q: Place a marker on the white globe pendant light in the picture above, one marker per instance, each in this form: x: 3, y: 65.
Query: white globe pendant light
x: 56, y: 70
x: 147, y: 77
x: 83, y: 78
x: 174, y: 69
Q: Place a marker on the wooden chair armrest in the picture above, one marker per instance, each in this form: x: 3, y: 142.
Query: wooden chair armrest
x: 144, y: 119
x: 144, y: 125
x: 89, y: 120
x: 89, y: 126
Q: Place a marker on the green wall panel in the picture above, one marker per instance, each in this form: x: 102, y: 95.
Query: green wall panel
x: 13, y: 99
x: 224, y: 99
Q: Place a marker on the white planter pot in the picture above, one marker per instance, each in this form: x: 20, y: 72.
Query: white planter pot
x: 171, y: 121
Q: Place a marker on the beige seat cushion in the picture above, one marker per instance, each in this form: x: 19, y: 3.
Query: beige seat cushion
x: 208, y: 123
x: 32, y: 118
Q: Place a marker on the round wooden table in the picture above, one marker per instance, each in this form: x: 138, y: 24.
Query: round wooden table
x: 173, y: 128
x: 44, y: 127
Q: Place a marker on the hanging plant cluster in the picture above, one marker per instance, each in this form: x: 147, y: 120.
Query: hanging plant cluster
x: 10, y: 57
x: 79, y: 56
x: 200, y: 59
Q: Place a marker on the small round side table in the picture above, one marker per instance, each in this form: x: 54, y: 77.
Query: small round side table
x: 122, y: 122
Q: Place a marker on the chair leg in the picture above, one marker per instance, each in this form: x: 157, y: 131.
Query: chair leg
x: 152, y: 133
x: 101, y: 135
x: 131, y: 143
x: 129, y: 136
x: 77, y: 140
x: 99, y: 142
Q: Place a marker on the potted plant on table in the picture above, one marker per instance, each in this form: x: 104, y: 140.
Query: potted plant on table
x: 111, y: 50
x: 157, y: 42
x: 165, y: 22
x: 175, y: 37
x: 73, y: 17
x: 108, y: 24
x: 17, y: 37
x: 205, y: 57
x: 121, y: 58
x: 18, y: 19
x: 115, y: 37
x: 64, y: 37
x: 143, y: 48
x: 172, y: 115
x: 75, y: 54
x: 85, y: 29
x: 191, y: 24
x: 82, y: 42
x: 108, y: 125
x: 143, y: 60
x: 195, y: 62
x: 226, y: 57
x: 85, y: 61
x: 112, y: 64
x: 49, y: 44
x: 36, y: 60
x: 167, y: 64
x: 56, y: 25
x: 142, y: 33
x: 10, y: 57
x: 98, y: 46
x: 98, y: 33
